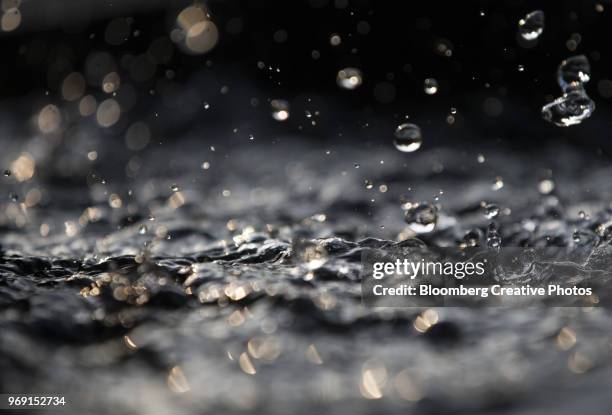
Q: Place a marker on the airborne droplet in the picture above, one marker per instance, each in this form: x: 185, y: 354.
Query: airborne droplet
x: 574, y: 106
x: 573, y: 72
x: 280, y: 109
x: 430, y: 86
x: 532, y: 25
x: 408, y: 138
x: 349, y: 78
x: 421, y: 217
x: 570, y: 109
x: 491, y: 210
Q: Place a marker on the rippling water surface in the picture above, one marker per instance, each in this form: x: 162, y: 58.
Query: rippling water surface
x: 236, y: 288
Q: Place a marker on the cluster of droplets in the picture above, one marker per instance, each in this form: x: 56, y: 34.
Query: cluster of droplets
x: 574, y: 106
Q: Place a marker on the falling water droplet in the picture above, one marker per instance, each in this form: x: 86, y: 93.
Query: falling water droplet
x: 491, y: 210
x: 408, y: 138
x: 430, y: 86
x: 570, y: 109
x: 349, y: 78
x: 573, y: 72
x: 574, y: 106
x: 280, y: 109
x: 368, y: 184
x: 142, y: 229
x: 546, y: 186
x: 421, y: 217
x: 498, y: 183
x: 532, y: 25
x: 7, y: 173
x: 174, y: 188
x: 472, y: 238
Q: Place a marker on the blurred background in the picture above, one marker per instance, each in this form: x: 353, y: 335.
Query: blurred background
x: 76, y: 55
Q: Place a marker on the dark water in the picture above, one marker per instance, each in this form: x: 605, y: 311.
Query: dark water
x: 240, y: 291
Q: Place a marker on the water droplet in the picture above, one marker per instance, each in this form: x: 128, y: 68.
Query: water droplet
x: 480, y: 158
x: 498, y: 183
x: 430, y: 86
x: 357, y: 165
x: 142, y: 229
x: 573, y: 72
x: 521, y: 68
x: 604, y: 230
x: 14, y: 197
x: 369, y: 184
x: 491, y: 210
x: 493, y: 237
x: 280, y: 109
x: 335, y: 39
x: 532, y: 25
x: 421, y: 217
x: 174, y: 188
x: 582, y: 215
x: 472, y: 238
x: 546, y: 186
x: 408, y: 138
x: 349, y: 78
x: 570, y: 109
x: 7, y: 173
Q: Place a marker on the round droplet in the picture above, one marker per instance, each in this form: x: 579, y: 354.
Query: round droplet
x: 349, y: 78
x: 7, y: 173
x: 570, y: 109
x: 491, y: 210
x: 369, y: 184
x: 142, y: 229
x: 430, y: 86
x: 174, y: 188
x: 280, y: 109
x: 408, y: 138
x: 335, y: 39
x: 532, y: 25
x: 546, y: 186
x: 421, y: 217
x: 472, y: 238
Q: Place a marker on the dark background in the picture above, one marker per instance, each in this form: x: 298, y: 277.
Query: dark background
x: 393, y: 43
